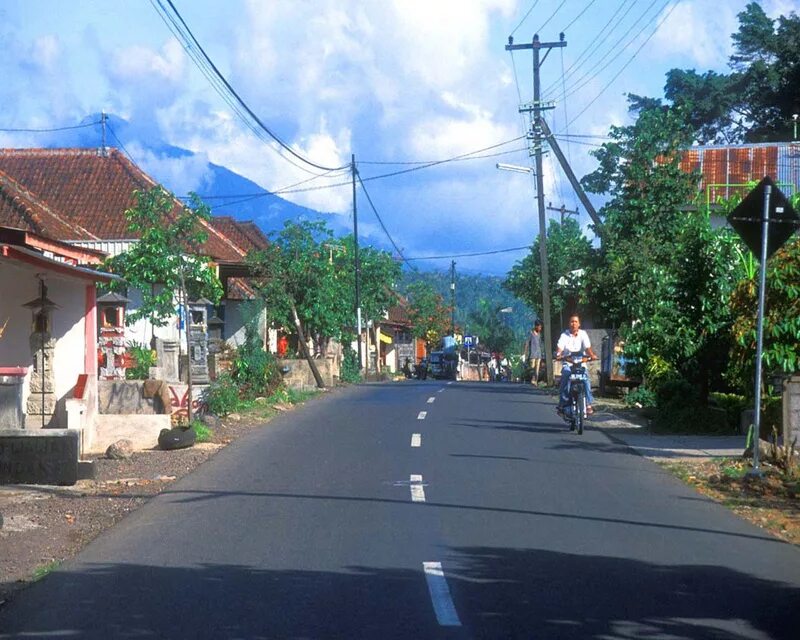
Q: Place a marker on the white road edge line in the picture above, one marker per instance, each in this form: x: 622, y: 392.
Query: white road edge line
x: 422, y: 415
x: 432, y: 399
x: 446, y: 614
x: 417, y: 490
x: 416, y: 439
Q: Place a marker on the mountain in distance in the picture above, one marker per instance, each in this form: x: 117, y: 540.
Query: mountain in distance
x: 226, y: 192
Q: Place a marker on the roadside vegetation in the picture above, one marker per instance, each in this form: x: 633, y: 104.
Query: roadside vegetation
x: 680, y: 291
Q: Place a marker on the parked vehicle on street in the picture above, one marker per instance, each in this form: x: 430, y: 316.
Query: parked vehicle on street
x: 443, y: 365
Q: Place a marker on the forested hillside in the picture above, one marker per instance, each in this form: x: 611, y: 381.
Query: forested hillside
x: 471, y: 291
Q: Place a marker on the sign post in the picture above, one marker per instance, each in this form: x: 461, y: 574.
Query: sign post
x: 757, y: 234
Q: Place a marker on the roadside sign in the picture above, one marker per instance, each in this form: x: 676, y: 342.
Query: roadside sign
x: 468, y: 341
x: 747, y: 219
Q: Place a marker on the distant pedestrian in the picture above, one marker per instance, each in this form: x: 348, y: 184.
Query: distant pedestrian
x: 534, y: 351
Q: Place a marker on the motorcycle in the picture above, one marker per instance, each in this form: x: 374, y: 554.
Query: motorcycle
x: 574, y: 413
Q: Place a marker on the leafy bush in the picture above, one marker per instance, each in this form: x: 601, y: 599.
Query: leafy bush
x: 350, y: 371
x: 222, y: 396
x: 255, y: 371
x: 143, y: 358
x: 640, y: 396
x: 733, y: 405
x: 679, y: 410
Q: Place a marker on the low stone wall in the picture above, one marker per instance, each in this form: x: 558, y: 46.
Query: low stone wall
x: 299, y: 374
x: 142, y: 430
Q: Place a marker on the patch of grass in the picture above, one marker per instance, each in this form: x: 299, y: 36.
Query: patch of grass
x: 45, y: 569
x: 298, y: 396
x: 202, y: 432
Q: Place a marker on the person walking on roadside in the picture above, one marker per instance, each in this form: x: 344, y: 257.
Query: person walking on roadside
x: 534, y: 351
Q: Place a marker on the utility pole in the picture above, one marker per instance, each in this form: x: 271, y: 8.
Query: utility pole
x: 103, y: 117
x: 357, y: 264
x: 573, y: 180
x: 535, y: 135
x: 453, y: 298
x: 562, y: 210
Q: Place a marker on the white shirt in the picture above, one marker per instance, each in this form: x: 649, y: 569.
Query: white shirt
x: 578, y: 343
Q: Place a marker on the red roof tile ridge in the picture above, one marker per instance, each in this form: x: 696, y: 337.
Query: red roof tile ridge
x: 224, y: 238
x: 57, y: 151
x: 26, y: 201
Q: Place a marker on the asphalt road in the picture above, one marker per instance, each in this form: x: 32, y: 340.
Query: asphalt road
x: 493, y: 521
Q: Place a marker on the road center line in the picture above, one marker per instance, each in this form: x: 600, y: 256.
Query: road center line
x: 443, y: 606
x: 416, y: 439
x: 440, y: 390
x: 451, y: 382
x: 432, y: 399
x: 422, y: 415
x: 417, y: 489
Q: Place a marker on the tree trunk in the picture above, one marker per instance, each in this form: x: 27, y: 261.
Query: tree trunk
x: 301, y: 342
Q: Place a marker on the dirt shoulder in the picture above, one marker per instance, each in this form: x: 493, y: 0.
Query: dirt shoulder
x: 45, y: 525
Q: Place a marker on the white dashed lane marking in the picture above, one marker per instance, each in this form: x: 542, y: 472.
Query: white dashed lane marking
x: 417, y: 488
x: 446, y: 614
x: 432, y: 399
x: 422, y: 415
x: 416, y: 439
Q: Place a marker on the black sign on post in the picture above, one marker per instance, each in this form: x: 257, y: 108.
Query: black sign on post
x: 747, y: 218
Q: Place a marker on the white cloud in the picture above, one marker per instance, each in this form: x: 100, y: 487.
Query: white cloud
x: 139, y: 63
x: 697, y: 31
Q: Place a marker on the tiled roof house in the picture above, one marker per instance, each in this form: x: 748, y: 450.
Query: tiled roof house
x: 80, y: 196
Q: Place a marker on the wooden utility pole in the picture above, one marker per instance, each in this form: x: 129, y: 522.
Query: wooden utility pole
x: 563, y: 211
x: 357, y: 265
x: 535, y: 135
x: 453, y: 298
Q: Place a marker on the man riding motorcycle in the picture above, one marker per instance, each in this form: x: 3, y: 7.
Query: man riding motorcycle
x: 574, y: 340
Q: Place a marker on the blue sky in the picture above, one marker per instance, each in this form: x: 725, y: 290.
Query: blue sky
x: 392, y: 82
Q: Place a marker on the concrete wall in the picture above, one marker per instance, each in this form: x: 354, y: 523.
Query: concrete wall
x: 125, y: 397
x: 19, y: 285
x: 300, y: 376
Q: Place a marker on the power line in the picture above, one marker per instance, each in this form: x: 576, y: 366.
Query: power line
x: 230, y: 90
x: 52, y: 129
x: 589, y: 50
x: 600, y: 64
x: 576, y: 18
x: 552, y: 15
x: 469, y: 255
x: 625, y: 66
x: 380, y: 220
x: 525, y: 17
x: 122, y: 146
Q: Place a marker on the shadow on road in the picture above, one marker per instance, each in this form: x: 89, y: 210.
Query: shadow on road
x: 498, y: 592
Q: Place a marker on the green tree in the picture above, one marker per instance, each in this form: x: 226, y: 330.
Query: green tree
x: 169, y: 246
x: 781, y: 352
x: 490, y: 326
x: 662, y: 275
x: 429, y: 315
x: 568, y: 253
x: 306, y: 277
x: 756, y: 100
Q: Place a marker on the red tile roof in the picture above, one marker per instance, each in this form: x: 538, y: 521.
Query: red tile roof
x: 21, y: 209
x: 93, y: 190
x: 245, y: 234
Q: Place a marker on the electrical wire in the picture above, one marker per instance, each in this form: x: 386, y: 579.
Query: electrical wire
x: 469, y: 255
x: 625, y: 66
x: 524, y: 18
x: 192, y: 40
x: 52, y: 129
x: 380, y: 220
x: 591, y: 46
x: 602, y: 64
x: 576, y: 18
x: 121, y: 146
x: 552, y: 15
